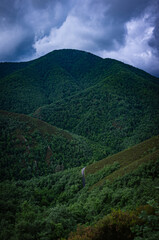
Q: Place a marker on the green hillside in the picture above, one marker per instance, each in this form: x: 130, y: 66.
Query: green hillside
x: 31, y: 147
x: 120, y: 111
x: 50, y: 207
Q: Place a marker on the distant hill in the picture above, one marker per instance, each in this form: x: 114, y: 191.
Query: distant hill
x: 31, y: 147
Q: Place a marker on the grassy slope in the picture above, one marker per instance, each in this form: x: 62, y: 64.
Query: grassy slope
x: 31, y: 147
x: 128, y: 160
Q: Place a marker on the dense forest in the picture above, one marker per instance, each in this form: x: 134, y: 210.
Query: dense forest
x: 65, y: 111
x: 30, y: 147
x: 50, y: 207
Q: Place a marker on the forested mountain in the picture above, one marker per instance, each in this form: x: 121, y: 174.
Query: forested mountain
x: 61, y: 74
x: 101, y: 99
x: 65, y: 111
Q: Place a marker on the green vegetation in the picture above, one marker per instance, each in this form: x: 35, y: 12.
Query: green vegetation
x: 51, y: 206
x: 128, y: 160
x: 66, y: 111
x: 117, y: 112
x: 30, y: 147
x: 122, y: 225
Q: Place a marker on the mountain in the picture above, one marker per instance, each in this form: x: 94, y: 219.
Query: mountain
x: 102, y: 99
x: 56, y: 76
x: 69, y: 111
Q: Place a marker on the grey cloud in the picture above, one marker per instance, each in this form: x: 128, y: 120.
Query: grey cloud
x: 42, y: 4
x: 34, y: 17
x: 111, y: 17
x: 156, y: 35
x: 38, y: 4
x: 11, y: 11
x: 124, y: 10
x: 97, y: 25
x: 154, y: 42
x: 95, y: 14
x: 21, y: 52
x: 136, y: 8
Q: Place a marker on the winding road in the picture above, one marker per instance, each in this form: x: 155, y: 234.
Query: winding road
x: 83, y: 177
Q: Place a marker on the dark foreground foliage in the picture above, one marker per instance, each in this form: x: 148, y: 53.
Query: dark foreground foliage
x: 51, y: 207
x: 139, y: 224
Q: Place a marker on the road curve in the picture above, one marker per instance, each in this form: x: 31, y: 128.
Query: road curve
x: 83, y: 177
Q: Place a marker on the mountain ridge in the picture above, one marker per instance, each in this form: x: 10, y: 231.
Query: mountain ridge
x: 59, y: 64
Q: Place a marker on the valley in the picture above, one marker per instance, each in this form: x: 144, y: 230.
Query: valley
x: 79, y: 149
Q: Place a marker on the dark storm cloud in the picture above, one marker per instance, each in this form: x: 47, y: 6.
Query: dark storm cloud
x: 154, y: 42
x: 113, y: 14
x: 125, y: 9
x: 16, y: 37
x: 31, y: 28
x: 22, y: 22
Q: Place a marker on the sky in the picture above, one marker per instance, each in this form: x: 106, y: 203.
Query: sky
x: 126, y: 30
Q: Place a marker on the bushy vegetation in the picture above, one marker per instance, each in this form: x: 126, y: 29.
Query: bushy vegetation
x: 51, y: 207
x: 139, y: 224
